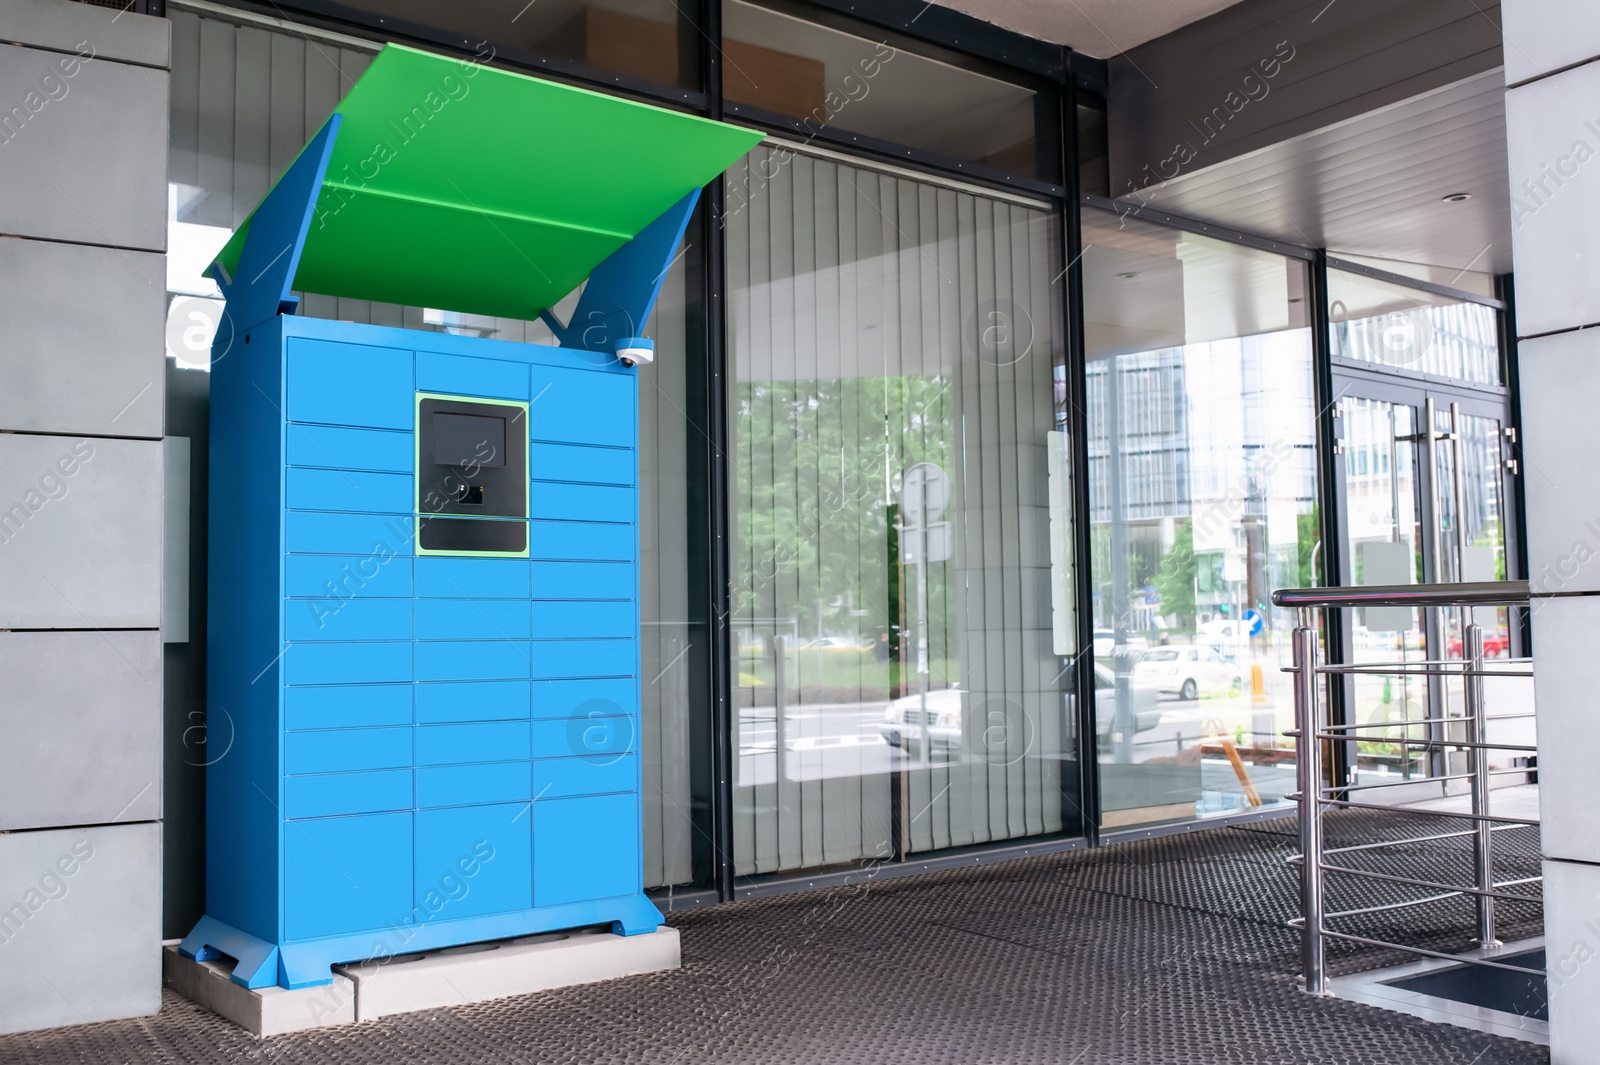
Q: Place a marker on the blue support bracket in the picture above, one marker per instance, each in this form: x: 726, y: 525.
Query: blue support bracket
x: 256, y: 960
x: 262, y: 285
x: 622, y: 290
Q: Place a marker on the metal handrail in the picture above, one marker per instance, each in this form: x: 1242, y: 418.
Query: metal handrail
x: 1469, y: 593
x: 1312, y: 727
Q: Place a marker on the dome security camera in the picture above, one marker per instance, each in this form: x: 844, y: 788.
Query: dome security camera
x: 636, y: 351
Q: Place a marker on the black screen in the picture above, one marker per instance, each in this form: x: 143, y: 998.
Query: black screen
x: 468, y: 440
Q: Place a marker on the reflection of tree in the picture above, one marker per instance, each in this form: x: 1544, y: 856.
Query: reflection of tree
x: 1308, y: 529
x: 817, y: 464
x: 1175, y: 579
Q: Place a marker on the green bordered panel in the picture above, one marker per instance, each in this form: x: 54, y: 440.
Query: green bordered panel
x: 472, y: 488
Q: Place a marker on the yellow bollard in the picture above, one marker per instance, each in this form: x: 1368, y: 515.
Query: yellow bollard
x: 1258, y: 683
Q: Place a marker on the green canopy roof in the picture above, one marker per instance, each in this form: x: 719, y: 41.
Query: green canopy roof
x: 475, y: 189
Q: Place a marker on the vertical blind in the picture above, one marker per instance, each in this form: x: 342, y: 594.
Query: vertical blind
x: 878, y: 321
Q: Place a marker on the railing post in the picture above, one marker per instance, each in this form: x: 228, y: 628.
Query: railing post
x: 1478, y: 763
x: 1308, y: 778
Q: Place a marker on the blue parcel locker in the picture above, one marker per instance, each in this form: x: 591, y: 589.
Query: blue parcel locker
x: 423, y: 638
x: 386, y: 790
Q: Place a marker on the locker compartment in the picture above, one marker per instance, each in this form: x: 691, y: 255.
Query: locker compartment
x: 565, y: 400
x: 558, y: 659
x: 347, y: 619
x: 584, y: 580
x: 341, y: 448
x: 472, y: 700
x: 578, y: 540
x: 464, y: 785
x: 579, y: 698
x: 375, y: 536
x: 472, y: 619
x: 574, y: 621
x: 347, y: 706
x: 348, y: 384
x: 560, y: 778
x: 583, y: 463
x: 347, y: 490
x: 343, y: 577
x: 580, y: 502
x: 473, y: 860
x: 346, y: 874
x: 329, y: 794
x: 346, y: 663
x: 596, y: 736
x: 468, y: 376
x: 585, y: 848
x: 484, y: 578
x: 483, y: 741
x: 473, y: 660
x: 346, y: 750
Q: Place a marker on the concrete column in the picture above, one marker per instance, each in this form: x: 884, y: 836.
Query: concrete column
x: 83, y: 148
x: 1552, y: 59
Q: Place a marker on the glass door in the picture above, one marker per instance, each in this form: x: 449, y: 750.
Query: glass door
x: 1422, y: 492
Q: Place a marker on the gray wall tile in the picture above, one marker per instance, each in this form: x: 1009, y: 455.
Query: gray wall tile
x: 84, y: 155
x: 80, y: 549
x: 87, y: 356
x: 1569, y: 729
x: 82, y: 726
x: 80, y: 931
x: 1572, y: 950
x: 1546, y: 35
x: 1553, y: 145
x: 63, y: 26
x: 1560, y: 378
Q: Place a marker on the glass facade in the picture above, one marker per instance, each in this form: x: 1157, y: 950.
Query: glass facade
x: 1384, y: 324
x: 891, y: 345
x: 844, y: 75
x: 1203, y: 499
x: 882, y: 360
x: 651, y: 40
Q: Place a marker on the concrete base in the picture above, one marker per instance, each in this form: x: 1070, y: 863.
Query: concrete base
x: 266, y: 1011
x: 450, y: 977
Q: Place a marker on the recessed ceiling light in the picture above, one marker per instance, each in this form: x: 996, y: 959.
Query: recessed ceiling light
x: 1458, y: 197
x: 1129, y: 275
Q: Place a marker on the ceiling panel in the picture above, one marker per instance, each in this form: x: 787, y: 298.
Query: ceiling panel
x: 1374, y: 185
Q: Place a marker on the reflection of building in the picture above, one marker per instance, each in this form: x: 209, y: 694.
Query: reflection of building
x: 1214, y: 437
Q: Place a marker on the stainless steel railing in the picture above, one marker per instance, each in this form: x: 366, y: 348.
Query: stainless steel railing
x: 1316, y: 795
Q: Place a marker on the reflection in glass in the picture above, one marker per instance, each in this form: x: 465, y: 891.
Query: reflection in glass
x: 1384, y: 518
x: 891, y: 347
x: 852, y: 76
x: 1203, y: 495
x: 652, y: 40
x: 1377, y: 322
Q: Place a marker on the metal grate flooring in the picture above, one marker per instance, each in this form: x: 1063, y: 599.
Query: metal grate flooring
x: 1171, y: 950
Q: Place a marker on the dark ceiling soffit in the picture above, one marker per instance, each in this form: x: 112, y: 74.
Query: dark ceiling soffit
x: 957, y: 31
x: 1404, y: 281
x: 1198, y: 226
x: 1348, y: 58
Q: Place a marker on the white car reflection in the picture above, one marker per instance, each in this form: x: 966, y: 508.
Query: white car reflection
x: 903, y: 719
x: 1187, y: 672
